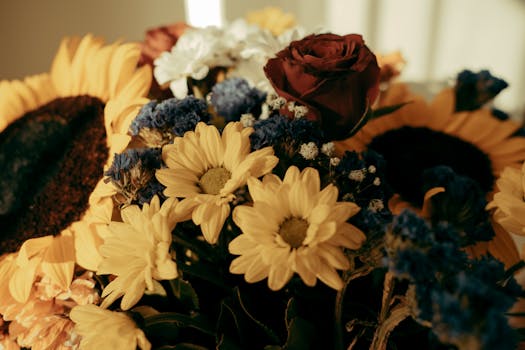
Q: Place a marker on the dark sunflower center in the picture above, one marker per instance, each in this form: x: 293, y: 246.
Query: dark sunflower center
x: 409, y: 151
x: 50, y: 161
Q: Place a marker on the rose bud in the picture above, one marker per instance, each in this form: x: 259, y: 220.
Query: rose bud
x: 160, y: 39
x: 335, y: 77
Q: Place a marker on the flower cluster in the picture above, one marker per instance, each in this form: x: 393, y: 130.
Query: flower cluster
x: 262, y: 193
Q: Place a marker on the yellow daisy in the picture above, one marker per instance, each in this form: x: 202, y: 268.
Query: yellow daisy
x: 104, y: 329
x: 293, y: 226
x: 91, y: 93
x: 472, y: 143
x: 273, y: 19
x: 206, y: 169
x: 137, y: 251
x: 508, y: 204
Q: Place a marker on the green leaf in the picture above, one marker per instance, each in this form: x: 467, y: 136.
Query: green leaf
x: 185, y: 293
x: 273, y: 347
x: 300, y: 335
x: 271, y: 334
x: 207, y: 272
x: 226, y: 343
x: 182, y: 346
x: 237, y: 325
x: 177, y: 320
x: 145, y: 311
x: 291, y: 311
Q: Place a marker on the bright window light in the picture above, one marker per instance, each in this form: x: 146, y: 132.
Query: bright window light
x: 203, y: 13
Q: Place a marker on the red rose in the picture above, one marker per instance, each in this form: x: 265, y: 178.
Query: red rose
x: 159, y: 40
x: 336, y: 77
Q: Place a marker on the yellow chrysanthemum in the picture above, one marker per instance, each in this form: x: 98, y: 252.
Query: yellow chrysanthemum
x: 137, y: 251
x: 104, y: 329
x: 293, y: 226
x: 508, y: 203
x: 205, y: 169
x: 50, y: 256
x: 39, y: 323
x: 486, y: 138
x: 273, y: 19
x: 107, y: 76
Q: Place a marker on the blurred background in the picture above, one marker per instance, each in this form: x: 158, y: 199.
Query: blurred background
x: 438, y: 38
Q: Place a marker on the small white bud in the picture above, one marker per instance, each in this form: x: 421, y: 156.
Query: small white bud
x: 376, y: 205
x: 335, y: 161
x: 357, y: 175
x: 328, y: 148
x: 300, y: 111
x: 309, y: 150
x: 247, y: 120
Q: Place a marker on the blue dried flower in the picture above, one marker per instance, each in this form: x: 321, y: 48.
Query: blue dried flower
x: 133, y: 174
x: 462, y: 204
x: 281, y: 131
x: 409, y: 226
x: 158, y: 123
x: 234, y: 96
x: 473, y: 90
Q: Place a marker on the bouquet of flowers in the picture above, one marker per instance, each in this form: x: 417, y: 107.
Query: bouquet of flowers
x: 255, y: 186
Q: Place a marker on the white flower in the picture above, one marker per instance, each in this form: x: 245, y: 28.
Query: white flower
x: 193, y: 55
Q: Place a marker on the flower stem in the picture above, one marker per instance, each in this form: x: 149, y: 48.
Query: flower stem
x: 389, y: 318
x: 339, y: 300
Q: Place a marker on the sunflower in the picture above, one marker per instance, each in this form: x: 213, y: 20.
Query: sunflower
x: 104, y: 329
x: 423, y: 135
x: 508, y: 202
x: 206, y: 169
x: 59, y: 131
x: 293, y: 226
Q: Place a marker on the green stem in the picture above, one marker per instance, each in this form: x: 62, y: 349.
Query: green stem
x: 389, y: 318
x: 339, y: 300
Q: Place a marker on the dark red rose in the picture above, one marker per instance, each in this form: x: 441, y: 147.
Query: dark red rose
x: 336, y: 77
x: 160, y: 39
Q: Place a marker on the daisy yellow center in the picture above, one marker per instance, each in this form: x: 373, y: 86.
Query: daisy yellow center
x: 293, y: 231
x: 214, y: 180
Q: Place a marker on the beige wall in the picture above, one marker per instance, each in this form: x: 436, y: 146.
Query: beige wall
x: 30, y: 30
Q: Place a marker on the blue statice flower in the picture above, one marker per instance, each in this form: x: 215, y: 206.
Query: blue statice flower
x: 159, y: 122
x: 462, y: 204
x: 454, y: 293
x: 473, y: 90
x: 234, y: 97
x: 133, y: 174
x: 278, y: 129
x: 288, y: 137
x: 467, y: 312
